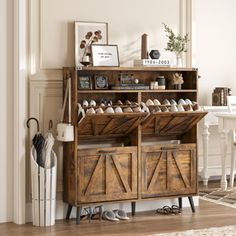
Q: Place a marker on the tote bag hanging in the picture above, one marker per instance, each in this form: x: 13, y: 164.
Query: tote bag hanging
x: 65, y: 131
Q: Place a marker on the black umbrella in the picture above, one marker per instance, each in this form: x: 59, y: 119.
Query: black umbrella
x: 38, y: 142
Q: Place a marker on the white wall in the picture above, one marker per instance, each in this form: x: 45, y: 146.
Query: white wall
x: 6, y: 105
x: 127, y: 21
x: 214, y: 50
x: 52, y: 41
x: 214, y: 24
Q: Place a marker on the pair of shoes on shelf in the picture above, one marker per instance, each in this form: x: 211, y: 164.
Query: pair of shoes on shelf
x: 166, y: 210
x: 115, y: 215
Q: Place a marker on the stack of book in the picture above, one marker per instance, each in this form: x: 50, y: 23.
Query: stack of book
x: 152, y: 62
x: 130, y: 87
x: 219, y: 96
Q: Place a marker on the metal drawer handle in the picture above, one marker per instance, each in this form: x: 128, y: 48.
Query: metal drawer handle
x: 107, y: 151
x: 169, y: 148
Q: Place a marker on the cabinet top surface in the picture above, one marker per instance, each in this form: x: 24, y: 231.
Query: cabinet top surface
x: 136, y: 68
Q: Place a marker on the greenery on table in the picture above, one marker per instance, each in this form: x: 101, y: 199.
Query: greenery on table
x: 176, y: 44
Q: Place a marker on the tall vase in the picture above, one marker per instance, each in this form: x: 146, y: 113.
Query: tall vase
x: 86, y: 58
x: 178, y: 60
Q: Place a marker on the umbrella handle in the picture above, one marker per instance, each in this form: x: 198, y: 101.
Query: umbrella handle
x: 32, y: 118
x: 50, y: 125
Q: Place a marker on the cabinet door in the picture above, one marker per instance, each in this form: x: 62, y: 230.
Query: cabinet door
x: 169, y: 170
x: 107, y: 174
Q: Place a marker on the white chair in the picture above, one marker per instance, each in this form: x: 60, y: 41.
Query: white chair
x: 231, y: 101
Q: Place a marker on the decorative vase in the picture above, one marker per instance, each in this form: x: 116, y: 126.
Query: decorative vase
x: 177, y: 86
x: 178, y: 60
x: 86, y: 58
x: 85, y: 61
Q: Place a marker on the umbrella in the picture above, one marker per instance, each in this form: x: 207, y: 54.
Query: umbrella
x: 48, y: 144
x: 38, y: 142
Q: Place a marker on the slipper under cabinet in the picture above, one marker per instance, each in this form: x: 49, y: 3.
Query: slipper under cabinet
x: 129, y: 156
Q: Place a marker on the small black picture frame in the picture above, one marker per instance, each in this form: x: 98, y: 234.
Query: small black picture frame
x: 85, y: 82
x: 100, y: 82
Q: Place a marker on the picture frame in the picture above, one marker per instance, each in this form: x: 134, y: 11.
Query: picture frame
x: 105, y: 55
x: 84, y: 32
x: 100, y: 82
x: 85, y: 82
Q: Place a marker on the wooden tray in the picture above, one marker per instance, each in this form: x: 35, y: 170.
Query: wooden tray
x: 171, y: 123
x: 105, y: 124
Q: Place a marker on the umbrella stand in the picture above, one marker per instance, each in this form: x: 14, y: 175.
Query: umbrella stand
x: 43, y: 178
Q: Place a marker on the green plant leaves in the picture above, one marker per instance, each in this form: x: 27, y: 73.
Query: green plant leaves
x: 176, y: 44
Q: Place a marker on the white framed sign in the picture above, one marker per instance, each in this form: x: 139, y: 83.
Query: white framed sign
x: 105, y: 55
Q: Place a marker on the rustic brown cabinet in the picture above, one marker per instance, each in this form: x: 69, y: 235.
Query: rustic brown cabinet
x: 169, y: 170
x: 107, y: 174
x: 130, y: 156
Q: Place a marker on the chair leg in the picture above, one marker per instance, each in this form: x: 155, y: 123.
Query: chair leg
x: 191, y: 203
x: 68, y: 212
x: 133, y: 208
x: 180, y: 203
x: 78, y: 214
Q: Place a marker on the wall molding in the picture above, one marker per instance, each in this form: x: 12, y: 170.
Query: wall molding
x: 185, y: 27
x: 19, y: 109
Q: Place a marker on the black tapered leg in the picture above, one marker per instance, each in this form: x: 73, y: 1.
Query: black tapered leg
x: 89, y: 214
x: 78, y: 214
x: 68, y: 212
x: 180, y: 203
x: 191, y: 203
x: 133, y: 208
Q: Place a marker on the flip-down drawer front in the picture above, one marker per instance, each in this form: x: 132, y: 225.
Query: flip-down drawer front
x: 171, y: 123
x: 112, y: 125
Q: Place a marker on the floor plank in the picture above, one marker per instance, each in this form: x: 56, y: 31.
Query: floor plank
x: 207, y: 215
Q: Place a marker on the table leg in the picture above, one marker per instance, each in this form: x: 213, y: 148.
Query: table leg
x: 231, y: 182
x: 223, y: 138
x: 205, y: 136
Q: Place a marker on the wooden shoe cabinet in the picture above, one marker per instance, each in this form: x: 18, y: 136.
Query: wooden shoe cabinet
x: 130, y: 156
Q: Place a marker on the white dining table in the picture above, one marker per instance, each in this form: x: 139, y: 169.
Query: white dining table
x: 226, y: 123
x: 210, y: 120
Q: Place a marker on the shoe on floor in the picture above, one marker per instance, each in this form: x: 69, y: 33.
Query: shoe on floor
x: 121, y: 215
x: 109, y: 215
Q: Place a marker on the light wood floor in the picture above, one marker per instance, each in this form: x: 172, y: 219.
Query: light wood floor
x: 206, y: 215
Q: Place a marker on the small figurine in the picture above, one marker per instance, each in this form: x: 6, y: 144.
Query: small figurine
x: 177, y: 80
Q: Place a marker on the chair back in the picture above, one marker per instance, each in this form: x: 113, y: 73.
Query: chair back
x: 231, y: 101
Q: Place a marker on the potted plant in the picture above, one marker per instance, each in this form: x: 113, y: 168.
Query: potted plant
x: 176, y: 44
